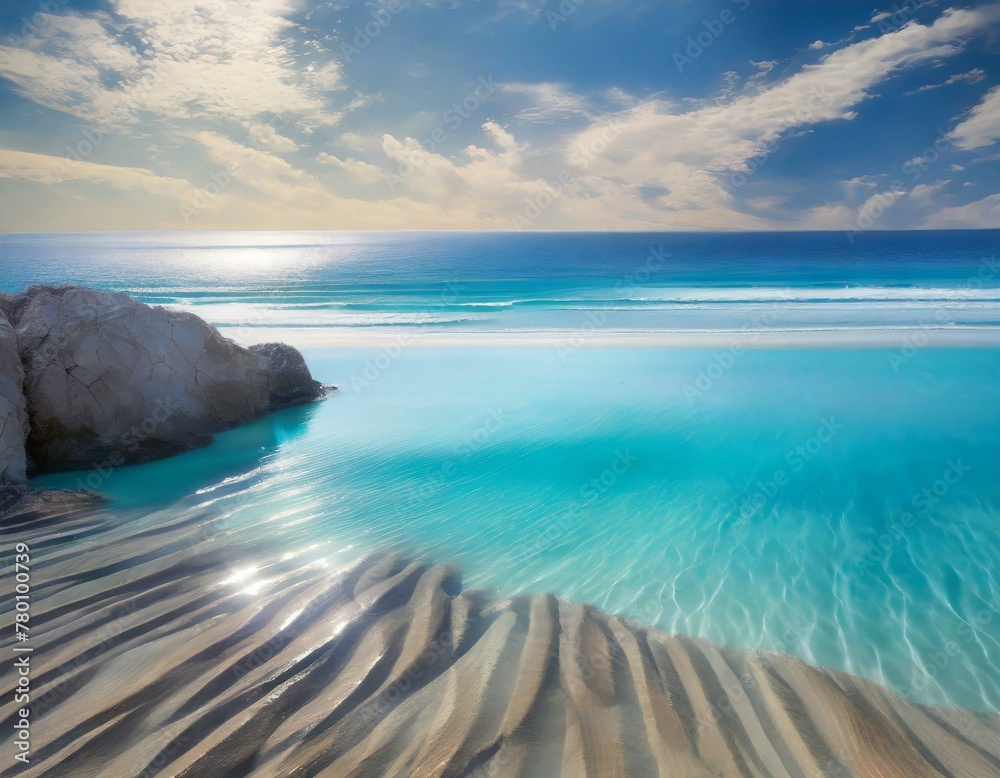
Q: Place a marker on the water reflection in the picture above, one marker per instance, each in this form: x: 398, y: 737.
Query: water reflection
x: 232, y: 454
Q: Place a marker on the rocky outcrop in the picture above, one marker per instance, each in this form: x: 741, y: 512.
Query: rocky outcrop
x: 111, y: 380
x: 13, y: 416
x: 6, y: 304
x: 290, y: 380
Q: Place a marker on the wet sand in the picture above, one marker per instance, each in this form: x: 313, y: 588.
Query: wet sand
x: 153, y: 656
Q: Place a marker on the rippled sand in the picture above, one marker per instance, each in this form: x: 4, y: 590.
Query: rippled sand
x: 180, y: 646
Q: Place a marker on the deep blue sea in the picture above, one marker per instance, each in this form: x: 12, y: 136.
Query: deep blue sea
x: 523, y: 283
x: 779, y: 441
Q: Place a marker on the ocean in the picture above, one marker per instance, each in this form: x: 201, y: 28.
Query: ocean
x: 784, y: 441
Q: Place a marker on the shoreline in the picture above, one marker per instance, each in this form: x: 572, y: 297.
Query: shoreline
x: 205, y: 656
x: 216, y: 656
x: 844, y: 338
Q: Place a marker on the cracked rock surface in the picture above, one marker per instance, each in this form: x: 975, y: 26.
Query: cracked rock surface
x: 291, y: 381
x: 13, y: 412
x: 109, y: 379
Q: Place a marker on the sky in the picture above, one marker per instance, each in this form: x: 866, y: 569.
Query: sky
x: 499, y: 115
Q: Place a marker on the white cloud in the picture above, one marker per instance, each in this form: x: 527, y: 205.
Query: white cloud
x: 210, y: 58
x: 197, y: 69
x: 63, y: 61
x: 923, y: 194
x: 982, y: 128
x: 45, y: 169
x: 256, y: 169
x: 362, y: 171
x: 267, y: 192
x: 982, y: 214
x: 492, y: 182
x: 973, y: 76
x: 684, y: 157
x: 688, y: 153
x: 266, y: 136
x: 546, y: 102
x: 766, y: 203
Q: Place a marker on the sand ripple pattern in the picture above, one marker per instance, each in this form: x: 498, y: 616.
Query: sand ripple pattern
x: 153, y: 657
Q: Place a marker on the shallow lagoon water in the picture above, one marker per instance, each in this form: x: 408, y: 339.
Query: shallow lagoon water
x: 837, y: 505
x: 840, y: 505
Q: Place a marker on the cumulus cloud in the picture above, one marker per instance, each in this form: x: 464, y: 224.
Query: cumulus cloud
x: 209, y: 58
x: 212, y: 76
x: 491, y: 180
x: 362, y: 171
x: 687, y: 152
x: 268, y: 137
x: 646, y: 163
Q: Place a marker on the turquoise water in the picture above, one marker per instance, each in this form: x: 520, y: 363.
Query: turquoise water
x: 838, y: 504
x: 595, y: 477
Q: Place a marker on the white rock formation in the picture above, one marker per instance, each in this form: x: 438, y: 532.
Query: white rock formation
x: 109, y: 379
x: 13, y: 413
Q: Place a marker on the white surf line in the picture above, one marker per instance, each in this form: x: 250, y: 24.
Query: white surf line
x: 860, y: 337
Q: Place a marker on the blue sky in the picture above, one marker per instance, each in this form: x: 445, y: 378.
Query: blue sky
x: 499, y: 114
